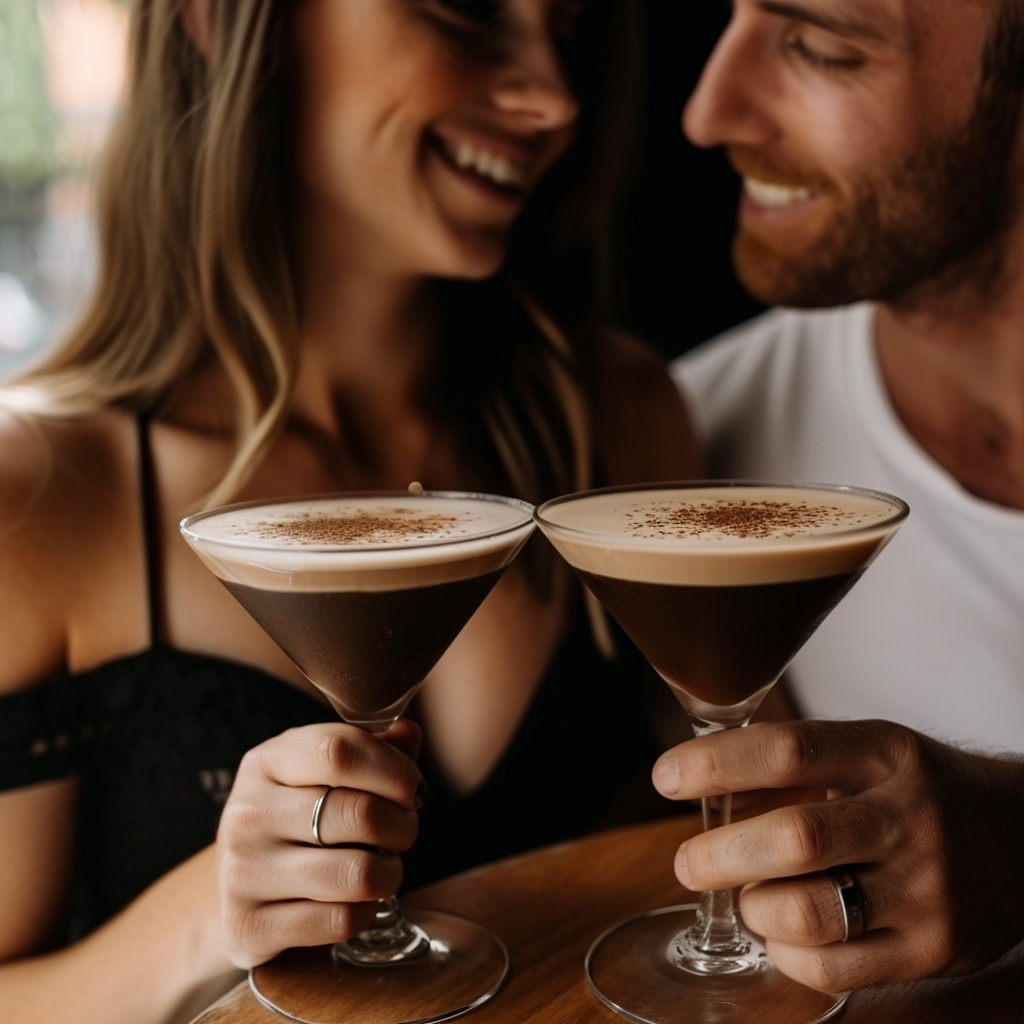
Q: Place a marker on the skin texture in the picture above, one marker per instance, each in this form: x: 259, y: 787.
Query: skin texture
x: 926, y: 825
x: 823, y: 96
x: 275, y: 890
x: 378, y: 209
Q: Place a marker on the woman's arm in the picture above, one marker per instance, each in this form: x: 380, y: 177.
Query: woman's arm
x: 263, y: 887
x: 71, y: 574
x: 139, y: 968
x: 55, y: 486
x: 643, y: 429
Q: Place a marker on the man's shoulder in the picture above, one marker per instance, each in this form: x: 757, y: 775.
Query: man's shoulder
x: 768, y: 335
x: 764, y: 360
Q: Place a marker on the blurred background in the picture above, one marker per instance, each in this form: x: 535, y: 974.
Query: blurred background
x: 62, y: 67
x: 62, y: 71
x: 675, y: 280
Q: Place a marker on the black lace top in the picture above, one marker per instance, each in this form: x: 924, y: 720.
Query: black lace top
x: 156, y: 738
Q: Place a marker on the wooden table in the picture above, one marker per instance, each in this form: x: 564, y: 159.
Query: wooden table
x: 550, y: 905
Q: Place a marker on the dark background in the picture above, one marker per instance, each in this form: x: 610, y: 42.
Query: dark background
x: 674, y: 281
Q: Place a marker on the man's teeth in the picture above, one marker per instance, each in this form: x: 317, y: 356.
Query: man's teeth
x: 766, y: 194
x: 488, y: 165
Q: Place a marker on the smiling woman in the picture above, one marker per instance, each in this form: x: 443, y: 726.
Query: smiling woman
x: 455, y: 172
x: 299, y: 141
x: 347, y: 245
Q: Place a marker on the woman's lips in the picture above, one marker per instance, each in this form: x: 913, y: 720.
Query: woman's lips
x: 495, y: 168
x: 485, y: 162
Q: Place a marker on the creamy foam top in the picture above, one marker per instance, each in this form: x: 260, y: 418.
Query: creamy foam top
x: 721, y: 536
x: 376, y: 542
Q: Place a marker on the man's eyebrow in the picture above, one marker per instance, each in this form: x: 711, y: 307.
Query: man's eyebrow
x: 841, y: 25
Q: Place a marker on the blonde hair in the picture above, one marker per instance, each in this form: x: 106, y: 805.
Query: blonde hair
x: 195, y: 262
x: 194, y: 257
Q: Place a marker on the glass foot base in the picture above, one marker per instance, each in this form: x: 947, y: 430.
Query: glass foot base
x: 464, y: 968
x: 398, y: 945
x: 631, y: 969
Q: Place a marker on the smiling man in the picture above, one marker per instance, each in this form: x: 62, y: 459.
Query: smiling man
x: 883, y: 163
x: 881, y: 148
x: 875, y: 142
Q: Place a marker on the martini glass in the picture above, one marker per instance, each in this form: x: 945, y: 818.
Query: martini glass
x: 719, y: 584
x: 365, y: 592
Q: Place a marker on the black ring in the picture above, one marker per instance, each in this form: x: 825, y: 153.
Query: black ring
x: 851, y: 899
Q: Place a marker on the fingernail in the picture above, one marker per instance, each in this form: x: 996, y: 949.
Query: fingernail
x: 421, y: 794
x: 666, y: 776
x: 682, y: 870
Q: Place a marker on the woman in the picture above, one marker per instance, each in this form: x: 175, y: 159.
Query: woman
x: 304, y: 215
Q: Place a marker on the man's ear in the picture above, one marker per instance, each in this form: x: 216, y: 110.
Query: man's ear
x: 196, y: 16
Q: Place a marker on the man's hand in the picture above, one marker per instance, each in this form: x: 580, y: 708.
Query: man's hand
x: 934, y: 837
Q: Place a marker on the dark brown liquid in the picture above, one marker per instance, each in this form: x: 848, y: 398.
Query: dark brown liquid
x: 720, y: 644
x: 366, y: 649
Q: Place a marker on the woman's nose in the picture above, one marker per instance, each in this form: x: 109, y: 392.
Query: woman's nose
x: 533, y: 87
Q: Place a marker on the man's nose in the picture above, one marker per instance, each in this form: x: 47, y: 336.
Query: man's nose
x: 533, y: 87
x: 728, y: 107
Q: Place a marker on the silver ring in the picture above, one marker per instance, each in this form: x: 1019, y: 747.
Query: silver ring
x: 317, y: 808
x: 851, y: 899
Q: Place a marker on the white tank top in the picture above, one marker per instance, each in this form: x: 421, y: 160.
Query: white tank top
x: 933, y: 635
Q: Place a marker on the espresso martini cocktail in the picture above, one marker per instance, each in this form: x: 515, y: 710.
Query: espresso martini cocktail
x: 365, y: 592
x: 719, y: 585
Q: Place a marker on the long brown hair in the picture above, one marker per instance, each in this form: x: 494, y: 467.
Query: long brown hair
x: 193, y: 214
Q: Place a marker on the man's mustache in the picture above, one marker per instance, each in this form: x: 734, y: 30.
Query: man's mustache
x: 749, y: 162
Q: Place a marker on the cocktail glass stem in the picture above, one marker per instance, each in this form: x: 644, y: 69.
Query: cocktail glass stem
x: 716, y: 943
x: 390, y: 939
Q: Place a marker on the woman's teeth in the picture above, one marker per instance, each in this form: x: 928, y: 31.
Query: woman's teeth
x: 774, y: 196
x: 498, y: 169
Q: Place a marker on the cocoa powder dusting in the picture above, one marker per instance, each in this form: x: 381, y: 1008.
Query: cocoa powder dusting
x: 386, y: 526
x: 742, y: 519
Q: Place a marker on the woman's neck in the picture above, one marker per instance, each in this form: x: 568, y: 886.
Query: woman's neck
x: 368, y: 322
x: 369, y: 348
x: 365, y: 335
x: 370, y: 341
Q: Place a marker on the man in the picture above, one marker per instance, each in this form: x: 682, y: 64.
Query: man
x: 882, y: 152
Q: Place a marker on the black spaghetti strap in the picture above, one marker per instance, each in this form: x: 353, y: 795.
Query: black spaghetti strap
x: 150, y: 530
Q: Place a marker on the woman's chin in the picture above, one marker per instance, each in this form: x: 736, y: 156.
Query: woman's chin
x: 474, y: 255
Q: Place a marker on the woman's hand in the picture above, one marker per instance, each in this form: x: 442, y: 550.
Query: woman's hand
x: 277, y: 888
x: 933, y: 836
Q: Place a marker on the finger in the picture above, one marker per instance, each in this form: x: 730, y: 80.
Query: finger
x: 406, y: 736
x: 799, y: 911
x: 808, y: 911
x: 761, y: 801
x: 791, y: 841
x: 332, y: 754
x: 346, y: 816
x: 336, y: 875
x: 879, y: 958
x: 262, y: 931
x: 843, y: 756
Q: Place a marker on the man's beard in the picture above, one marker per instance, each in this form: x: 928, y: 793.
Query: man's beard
x: 927, y: 227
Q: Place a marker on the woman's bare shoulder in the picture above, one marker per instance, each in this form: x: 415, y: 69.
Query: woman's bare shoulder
x: 62, y: 490
x: 61, y: 471
x: 644, y: 430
